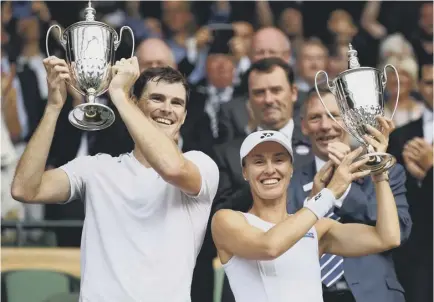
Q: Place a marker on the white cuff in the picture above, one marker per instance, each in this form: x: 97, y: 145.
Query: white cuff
x: 340, y: 201
x: 191, y: 46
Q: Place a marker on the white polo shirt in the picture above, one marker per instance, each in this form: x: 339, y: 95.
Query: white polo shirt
x: 141, y: 235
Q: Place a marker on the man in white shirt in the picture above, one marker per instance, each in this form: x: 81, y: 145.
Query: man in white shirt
x: 147, y: 210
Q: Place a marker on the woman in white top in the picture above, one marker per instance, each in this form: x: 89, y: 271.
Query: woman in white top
x: 270, y: 256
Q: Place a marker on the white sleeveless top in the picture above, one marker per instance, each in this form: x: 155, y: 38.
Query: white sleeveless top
x: 295, y: 276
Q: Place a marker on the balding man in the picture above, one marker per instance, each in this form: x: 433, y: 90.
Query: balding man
x: 154, y: 52
x: 270, y: 42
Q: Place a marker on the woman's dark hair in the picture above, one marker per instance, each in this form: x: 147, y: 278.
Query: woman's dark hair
x: 160, y: 74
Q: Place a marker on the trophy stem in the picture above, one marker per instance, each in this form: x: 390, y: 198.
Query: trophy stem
x: 90, y: 98
x: 91, y: 111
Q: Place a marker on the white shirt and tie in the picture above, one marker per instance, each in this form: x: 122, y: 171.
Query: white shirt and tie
x: 286, y: 130
x: 216, y: 97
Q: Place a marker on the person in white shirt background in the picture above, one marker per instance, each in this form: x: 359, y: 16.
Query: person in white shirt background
x: 141, y: 206
x: 269, y: 255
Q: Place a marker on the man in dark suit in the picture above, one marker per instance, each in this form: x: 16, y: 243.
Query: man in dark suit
x: 234, y: 121
x: 234, y: 116
x: 272, y: 94
x: 412, y: 146
x: 207, y: 97
x: 363, y: 279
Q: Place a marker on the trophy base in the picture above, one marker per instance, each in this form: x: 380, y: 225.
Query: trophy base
x: 91, y: 116
x: 378, y: 162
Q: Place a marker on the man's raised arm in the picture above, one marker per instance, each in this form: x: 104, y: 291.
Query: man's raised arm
x: 32, y: 184
x: 159, y: 150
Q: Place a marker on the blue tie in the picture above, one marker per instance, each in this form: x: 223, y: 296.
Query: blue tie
x: 332, y: 266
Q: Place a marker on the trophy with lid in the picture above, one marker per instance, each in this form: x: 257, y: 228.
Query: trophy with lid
x: 90, y: 53
x: 359, y: 93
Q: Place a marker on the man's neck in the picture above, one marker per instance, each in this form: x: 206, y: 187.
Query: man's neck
x: 180, y: 37
x: 31, y: 49
x: 303, y: 81
x: 276, y: 127
x: 273, y: 211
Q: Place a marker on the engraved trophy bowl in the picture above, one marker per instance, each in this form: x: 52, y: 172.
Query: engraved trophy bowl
x: 359, y: 93
x: 90, y: 53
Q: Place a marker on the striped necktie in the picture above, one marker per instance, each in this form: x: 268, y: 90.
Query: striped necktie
x: 212, y: 107
x: 332, y: 266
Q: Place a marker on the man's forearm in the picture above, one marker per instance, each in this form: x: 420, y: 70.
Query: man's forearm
x: 31, y: 166
x: 160, y: 151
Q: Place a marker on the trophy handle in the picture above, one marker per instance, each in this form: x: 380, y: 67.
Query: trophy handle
x: 384, y: 82
x: 118, y: 42
x: 332, y: 89
x: 62, y: 42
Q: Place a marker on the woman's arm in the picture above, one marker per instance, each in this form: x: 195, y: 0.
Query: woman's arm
x: 354, y: 239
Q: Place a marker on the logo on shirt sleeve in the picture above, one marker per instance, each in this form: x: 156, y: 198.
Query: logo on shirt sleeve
x: 309, y: 235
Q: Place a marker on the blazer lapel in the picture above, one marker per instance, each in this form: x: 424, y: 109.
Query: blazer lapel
x: 308, y: 173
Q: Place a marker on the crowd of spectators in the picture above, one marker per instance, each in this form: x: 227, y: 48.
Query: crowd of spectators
x: 213, y: 43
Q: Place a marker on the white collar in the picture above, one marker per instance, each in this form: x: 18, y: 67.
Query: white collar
x: 319, y: 163
x: 225, y: 93
x: 427, y: 115
x: 38, y: 58
x: 302, y: 85
x: 287, y: 130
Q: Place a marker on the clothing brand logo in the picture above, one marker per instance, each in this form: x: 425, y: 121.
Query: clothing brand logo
x: 266, y: 134
x: 317, y: 196
x: 309, y: 235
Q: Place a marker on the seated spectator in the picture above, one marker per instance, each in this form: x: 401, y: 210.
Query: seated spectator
x: 412, y: 145
x: 338, y: 60
x: 291, y: 23
x: 422, y: 38
x: 409, y: 109
x: 395, y: 45
x: 313, y: 57
x: 342, y: 30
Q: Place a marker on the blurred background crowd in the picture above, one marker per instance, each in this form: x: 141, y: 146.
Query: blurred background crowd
x: 213, y: 43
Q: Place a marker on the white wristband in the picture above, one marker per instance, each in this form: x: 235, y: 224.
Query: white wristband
x: 321, y: 203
